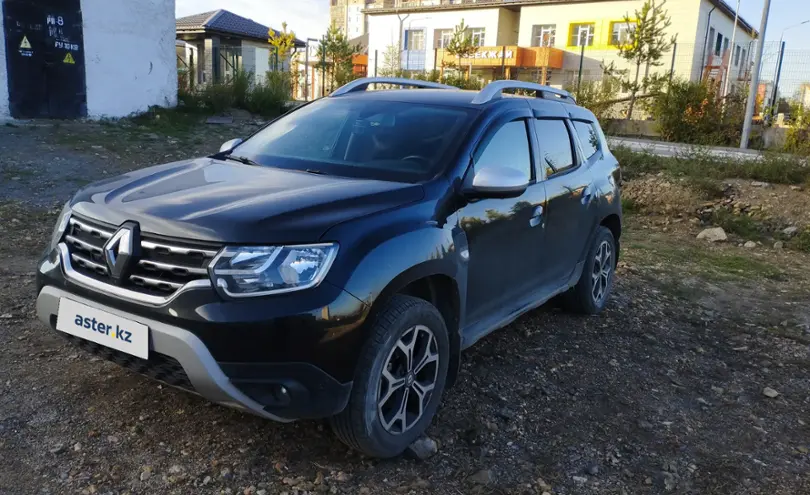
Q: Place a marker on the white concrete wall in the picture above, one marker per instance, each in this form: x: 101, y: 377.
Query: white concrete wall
x: 4, y: 110
x: 256, y: 59
x: 130, y: 56
x: 384, y: 29
x: 725, y: 25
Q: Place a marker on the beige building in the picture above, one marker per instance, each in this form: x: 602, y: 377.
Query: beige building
x: 544, y: 40
x: 349, y: 16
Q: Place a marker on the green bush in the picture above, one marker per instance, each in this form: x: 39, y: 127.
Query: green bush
x: 797, y: 140
x: 269, y: 98
x: 242, y: 86
x: 451, y: 79
x: 696, y: 113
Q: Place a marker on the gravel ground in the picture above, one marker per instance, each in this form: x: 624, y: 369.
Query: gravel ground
x: 695, y: 380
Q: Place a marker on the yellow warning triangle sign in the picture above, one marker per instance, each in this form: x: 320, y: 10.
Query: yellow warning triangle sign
x: 25, y: 45
x: 69, y: 58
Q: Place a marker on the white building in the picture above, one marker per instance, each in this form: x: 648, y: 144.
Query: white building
x: 86, y: 58
x: 534, y: 39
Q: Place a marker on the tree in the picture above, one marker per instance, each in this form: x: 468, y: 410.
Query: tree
x: 336, y: 56
x: 391, y: 59
x: 645, y: 46
x: 283, y: 42
x: 461, y: 44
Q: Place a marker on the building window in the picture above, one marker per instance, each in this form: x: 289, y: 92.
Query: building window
x: 478, y: 35
x: 414, y: 39
x: 442, y: 38
x: 620, y: 33
x: 725, y: 46
x: 710, y: 41
x: 544, y: 35
x: 718, y: 45
x: 743, y: 57
x: 581, y: 34
x: 736, y: 55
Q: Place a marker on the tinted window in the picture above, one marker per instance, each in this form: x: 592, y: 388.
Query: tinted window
x: 354, y: 137
x: 555, y: 145
x: 588, y: 138
x: 509, y: 147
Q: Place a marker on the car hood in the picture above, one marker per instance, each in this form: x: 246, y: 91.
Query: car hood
x: 213, y: 200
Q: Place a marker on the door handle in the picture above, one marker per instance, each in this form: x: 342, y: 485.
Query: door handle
x: 537, y: 217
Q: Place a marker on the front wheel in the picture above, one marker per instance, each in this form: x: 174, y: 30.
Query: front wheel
x: 399, y: 379
x: 591, y: 294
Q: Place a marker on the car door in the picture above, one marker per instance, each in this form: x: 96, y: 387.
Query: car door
x: 504, y: 236
x: 570, y: 194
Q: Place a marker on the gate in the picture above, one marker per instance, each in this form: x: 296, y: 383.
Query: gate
x: 45, y: 58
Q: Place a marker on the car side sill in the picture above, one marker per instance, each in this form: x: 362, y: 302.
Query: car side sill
x: 481, y: 328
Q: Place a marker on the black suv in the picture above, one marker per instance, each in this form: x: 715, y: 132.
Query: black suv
x: 335, y: 264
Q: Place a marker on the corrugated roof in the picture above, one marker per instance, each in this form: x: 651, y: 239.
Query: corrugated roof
x: 227, y: 22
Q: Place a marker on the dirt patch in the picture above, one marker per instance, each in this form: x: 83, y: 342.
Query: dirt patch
x: 663, y: 393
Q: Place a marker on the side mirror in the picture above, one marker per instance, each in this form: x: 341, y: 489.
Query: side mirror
x: 497, y: 182
x: 228, y: 146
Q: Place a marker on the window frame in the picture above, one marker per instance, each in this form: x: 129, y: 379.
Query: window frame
x: 632, y: 25
x: 408, y: 38
x: 576, y: 156
x: 578, y: 27
x: 737, y: 51
x: 481, y: 32
x: 492, y: 129
x: 438, y: 38
x: 538, y: 31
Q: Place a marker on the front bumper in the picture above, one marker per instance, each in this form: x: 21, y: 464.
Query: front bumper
x: 179, y: 358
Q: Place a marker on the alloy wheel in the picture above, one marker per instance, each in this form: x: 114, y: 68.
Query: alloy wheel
x: 408, y: 380
x: 602, y: 272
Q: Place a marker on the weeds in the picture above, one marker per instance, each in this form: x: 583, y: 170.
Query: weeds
x: 701, y: 165
x: 266, y: 98
x: 801, y: 242
x: 741, y: 225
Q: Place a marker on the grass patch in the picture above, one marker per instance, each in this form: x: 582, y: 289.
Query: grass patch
x: 740, y: 225
x: 801, y: 242
x: 698, y: 164
x: 629, y: 205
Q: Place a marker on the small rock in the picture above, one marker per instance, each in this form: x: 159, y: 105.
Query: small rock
x: 113, y: 439
x: 77, y: 447
x: 423, y: 448
x: 750, y: 245
x: 760, y: 184
x: 791, y: 231
x: 796, y: 188
x: 580, y: 479
x: 57, y: 449
x: 645, y: 425
x: 175, y: 469
x: 717, y: 390
x: 541, y: 484
x: 714, y: 234
x: 146, y: 473
x: 482, y: 477
x: 770, y: 393
x: 592, y: 469
x: 261, y: 492
x: 779, y: 245
x: 206, y: 480
x: 6, y: 316
x: 506, y: 414
x: 341, y: 476
x: 226, y: 474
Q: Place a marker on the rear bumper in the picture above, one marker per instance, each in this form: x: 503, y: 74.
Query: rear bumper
x: 278, y: 391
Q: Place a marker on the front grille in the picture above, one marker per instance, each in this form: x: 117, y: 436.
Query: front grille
x: 159, y: 367
x: 162, y: 268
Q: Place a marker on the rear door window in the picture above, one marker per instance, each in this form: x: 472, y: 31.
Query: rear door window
x: 555, y: 145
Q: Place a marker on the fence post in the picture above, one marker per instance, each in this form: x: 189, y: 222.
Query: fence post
x: 503, y: 62
x: 672, y: 66
x: 581, y: 60
x: 376, y: 56
x: 775, y: 100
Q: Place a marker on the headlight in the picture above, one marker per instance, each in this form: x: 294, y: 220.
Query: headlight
x: 61, y: 225
x: 260, y: 271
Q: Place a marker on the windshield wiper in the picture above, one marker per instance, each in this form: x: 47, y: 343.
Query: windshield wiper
x: 315, y: 172
x: 242, y: 159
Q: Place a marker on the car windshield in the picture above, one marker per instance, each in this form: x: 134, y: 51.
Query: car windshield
x: 352, y: 137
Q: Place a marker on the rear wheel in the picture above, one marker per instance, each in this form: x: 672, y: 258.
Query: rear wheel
x: 399, y: 380
x: 591, y: 294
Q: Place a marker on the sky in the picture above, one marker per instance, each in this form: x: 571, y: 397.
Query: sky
x: 784, y: 14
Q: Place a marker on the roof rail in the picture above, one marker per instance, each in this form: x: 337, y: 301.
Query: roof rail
x: 363, y: 84
x: 494, y: 89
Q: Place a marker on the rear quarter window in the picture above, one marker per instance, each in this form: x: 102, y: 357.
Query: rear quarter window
x: 588, y: 137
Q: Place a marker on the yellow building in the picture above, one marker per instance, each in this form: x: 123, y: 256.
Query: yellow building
x: 412, y: 35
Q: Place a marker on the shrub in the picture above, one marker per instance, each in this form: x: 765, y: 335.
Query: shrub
x: 797, y: 140
x: 242, y: 85
x: 268, y: 98
x: 696, y: 113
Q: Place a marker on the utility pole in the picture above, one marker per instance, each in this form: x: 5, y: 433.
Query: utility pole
x: 731, y: 54
x: 752, y: 91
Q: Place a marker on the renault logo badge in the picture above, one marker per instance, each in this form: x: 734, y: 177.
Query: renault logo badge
x: 121, y: 250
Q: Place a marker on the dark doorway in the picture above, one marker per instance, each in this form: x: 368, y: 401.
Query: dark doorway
x: 45, y: 58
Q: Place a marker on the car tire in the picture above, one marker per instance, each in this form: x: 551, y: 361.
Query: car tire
x: 600, y: 266
x: 373, y: 422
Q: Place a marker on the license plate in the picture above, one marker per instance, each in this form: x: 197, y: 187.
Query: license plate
x: 103, y: 328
